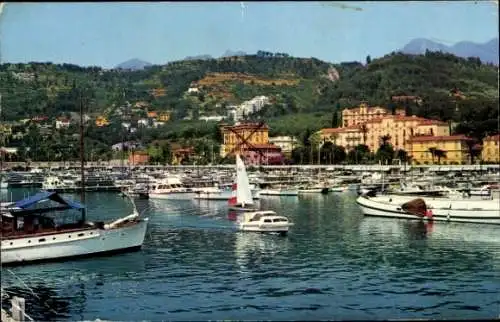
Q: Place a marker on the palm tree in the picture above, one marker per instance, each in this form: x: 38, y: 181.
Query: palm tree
x: 333, y: 138
x: 385, y: 139
x: 432, y: 151
x: 472, y: 150
x: 439, y: 154
x: 364, y: 130
x: 315, y: 141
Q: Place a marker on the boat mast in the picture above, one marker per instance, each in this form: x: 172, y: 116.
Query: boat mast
x: 82, y: 159
x: 2, y: 138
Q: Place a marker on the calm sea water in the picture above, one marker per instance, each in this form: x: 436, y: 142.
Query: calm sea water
x: 334, y: 264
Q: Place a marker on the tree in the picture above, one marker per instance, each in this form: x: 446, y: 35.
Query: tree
x: 314, y: 144
x: 439, y: 154
x: 364, y: 130
x: 432, y: 151
x: 360, y: 153
x: 402, y: 155
x: 385, y: 152
x: 368, y: 60
x: 335, y: 119
x: 473, y: 150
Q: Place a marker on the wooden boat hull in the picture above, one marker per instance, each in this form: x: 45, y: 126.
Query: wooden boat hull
x: 73, y: 244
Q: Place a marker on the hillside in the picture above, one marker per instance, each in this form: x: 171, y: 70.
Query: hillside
x: 295, y: 85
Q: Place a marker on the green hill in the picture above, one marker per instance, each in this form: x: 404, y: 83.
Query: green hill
x: 304, y: 91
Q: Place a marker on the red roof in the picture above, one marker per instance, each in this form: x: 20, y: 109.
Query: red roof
x: 432, y: 122
x: 495, y: 137
x: 340, y: 129
x: 427, y: 138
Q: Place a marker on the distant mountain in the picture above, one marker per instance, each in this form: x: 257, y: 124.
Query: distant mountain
x: 198, y: 57
x: 487, y: 52
x: 133, y: 64
x: 230, y: 53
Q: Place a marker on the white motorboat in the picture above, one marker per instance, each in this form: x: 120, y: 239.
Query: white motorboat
x: 213, y: 193
x: 442, y: 209
x: 170, y: 188
x: 243, y: 199
x: 265, y: 221
x: 32, y: 235
x: 55, y: 183
x: 339, y: 188
x: 314, y: 188
x: 279, y: 192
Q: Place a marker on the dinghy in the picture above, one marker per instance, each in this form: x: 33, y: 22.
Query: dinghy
x: 243, y: 200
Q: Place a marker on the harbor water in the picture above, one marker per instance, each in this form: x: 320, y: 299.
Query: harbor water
x: 334, y: 264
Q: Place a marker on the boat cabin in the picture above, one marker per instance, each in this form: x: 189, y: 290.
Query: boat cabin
x: 265, y: 216
x: 27, y: 217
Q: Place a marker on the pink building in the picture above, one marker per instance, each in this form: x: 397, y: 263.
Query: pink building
x: 263, y: 154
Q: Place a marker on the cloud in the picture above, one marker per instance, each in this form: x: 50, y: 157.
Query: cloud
x: 341, y: 5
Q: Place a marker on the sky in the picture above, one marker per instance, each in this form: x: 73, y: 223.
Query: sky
x: 106, y: 34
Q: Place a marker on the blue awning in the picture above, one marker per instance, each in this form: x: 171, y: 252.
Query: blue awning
x: 44, y: 195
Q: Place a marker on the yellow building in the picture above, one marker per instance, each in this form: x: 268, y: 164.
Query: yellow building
x: 164, y: 117
x: 398, y: 127
x: 237, y: 137
x: 455, y: 149
x: 348, y: 137
x: 101, y: 121
x: 364, y: 113
x: 491, y: 149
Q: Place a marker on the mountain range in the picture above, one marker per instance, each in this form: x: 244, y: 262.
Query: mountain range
x: 137, y: 64
x: 487, y: 52
x: 133, y: 64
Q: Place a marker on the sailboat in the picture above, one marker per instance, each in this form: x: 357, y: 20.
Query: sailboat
x: 243, y: 201
x: 30, y: 234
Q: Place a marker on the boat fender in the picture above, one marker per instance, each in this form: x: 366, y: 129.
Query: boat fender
x: 448, y: 217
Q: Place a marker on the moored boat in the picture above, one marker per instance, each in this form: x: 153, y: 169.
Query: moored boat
x: 31, y: 233
x: 265, y: 221
x: 279, y: 192
x: 442, y: 209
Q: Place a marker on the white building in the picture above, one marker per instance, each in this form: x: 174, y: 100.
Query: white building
x: 248, y: 107
x: 62, y: 123
x: 216, y: 118
x: 286, y: 143
x: 193, y: 90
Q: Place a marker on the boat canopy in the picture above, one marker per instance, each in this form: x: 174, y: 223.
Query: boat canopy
x: 44, y: 195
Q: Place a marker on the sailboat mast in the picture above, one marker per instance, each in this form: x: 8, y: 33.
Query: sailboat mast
x: 2, y: 139
x: 82, y: 159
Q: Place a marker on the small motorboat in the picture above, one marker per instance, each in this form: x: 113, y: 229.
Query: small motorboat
x: 264, y: 221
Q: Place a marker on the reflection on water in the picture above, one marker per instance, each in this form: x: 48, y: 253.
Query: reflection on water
x: 252, y: 249
x: 334, y: 264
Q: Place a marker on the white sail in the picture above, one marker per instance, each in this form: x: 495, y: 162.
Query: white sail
x: 243, y: 190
